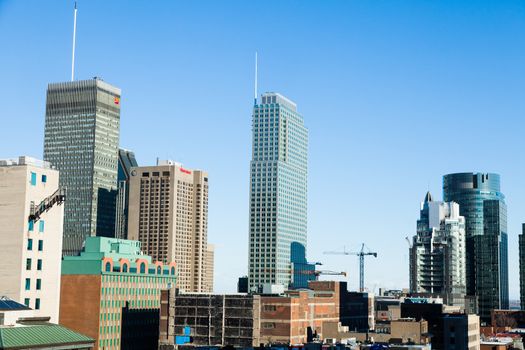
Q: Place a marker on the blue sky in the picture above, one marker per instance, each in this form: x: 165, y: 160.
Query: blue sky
x: 394, y: 93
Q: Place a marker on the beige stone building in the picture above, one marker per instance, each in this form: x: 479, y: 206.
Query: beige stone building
x: 168, y: 213
x: 31, y: 226
x: 210, y: 263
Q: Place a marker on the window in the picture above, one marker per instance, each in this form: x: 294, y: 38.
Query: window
x: 37, y: 304
x: 172, y: 270
x: 28, y: 284
x: 159, y: 270
x: 38, y: 284
x: 26, y: 302
x: 39, y: 264
x: 31, y: 225
x: 28, y: 264
x: 142, y: 268
x: 33, y: 179
x: 41, y: 226
x: 40, y: 245
x: 124, y: 267
x: 44, y: 178
x: 29, y: 244
x: 108, y: 267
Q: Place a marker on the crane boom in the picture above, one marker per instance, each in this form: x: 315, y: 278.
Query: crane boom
x: 361, y: 254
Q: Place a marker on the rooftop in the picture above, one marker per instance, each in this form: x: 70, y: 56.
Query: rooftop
x: 25, y: 160
x: 7, y: 304
x: 274, y: 97
x: 23, y: 337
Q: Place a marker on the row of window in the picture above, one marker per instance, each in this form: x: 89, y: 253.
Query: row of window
x: 33, y: 179
x: 41, y: 225
x: 30, y: 244
x: 29, y: 263
x: 37, y: 303
x: 38, y: 284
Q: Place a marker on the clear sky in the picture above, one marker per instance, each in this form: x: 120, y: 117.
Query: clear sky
x: 395, y: 94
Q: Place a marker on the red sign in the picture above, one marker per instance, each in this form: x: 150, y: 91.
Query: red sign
x: 116, y: 100
x: 185, y: 171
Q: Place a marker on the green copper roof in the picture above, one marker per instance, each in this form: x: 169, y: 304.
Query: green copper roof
x: 40, y: 335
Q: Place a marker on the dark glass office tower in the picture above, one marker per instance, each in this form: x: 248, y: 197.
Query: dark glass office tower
x: 126, y: 161
x: 81, y: 140
x: 522, y: 267
x: 483, y: 206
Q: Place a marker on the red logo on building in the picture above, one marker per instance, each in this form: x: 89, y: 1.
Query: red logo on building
x: 185, y: 171
x: 116, y: 100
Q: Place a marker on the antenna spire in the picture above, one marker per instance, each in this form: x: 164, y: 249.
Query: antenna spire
x: 74, y: 41
x: 255, y: 86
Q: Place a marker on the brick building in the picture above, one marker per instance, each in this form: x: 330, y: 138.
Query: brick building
x: 111, y: 275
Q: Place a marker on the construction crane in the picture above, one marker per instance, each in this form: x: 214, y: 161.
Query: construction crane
x: 361, y: 254
x: 316, y: 273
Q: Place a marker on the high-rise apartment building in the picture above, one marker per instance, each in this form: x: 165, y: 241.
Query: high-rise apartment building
x: 168, y: 213
x: 437, y: 254
x: 31, y: 219
x: 483, y: 206
x: 112, y: 288
x: 126, y: 161
x: 522, y: 266
x: 81, y: 141
x: 210, y: 264
x: 278, y: 189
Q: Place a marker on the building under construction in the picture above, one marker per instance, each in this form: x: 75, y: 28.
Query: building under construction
x: 213, y: 319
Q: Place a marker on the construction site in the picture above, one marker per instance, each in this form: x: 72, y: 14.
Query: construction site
x: 214, y: 319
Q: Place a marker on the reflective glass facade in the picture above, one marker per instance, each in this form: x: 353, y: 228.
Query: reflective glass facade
x: 278, y: 189
x: 126, y: 161
x: 81, y: 140
x: 483, y: 206
x: 522, y: 266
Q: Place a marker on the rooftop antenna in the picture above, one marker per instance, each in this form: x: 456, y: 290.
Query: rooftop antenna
x: 255, y: 86
x: 74, y: 39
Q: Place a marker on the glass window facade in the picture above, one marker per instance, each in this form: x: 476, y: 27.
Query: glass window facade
x: 278, y: 189
x: 483, y: 206
x: 81, y: 140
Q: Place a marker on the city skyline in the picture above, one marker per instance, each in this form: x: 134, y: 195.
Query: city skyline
x: 344, y: 119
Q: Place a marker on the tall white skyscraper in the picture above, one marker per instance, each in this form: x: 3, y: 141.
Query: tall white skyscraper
x: 437, y: 255
x: 278, y: 189
x: 31, y: 221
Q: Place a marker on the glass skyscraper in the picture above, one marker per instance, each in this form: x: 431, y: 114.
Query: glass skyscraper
x: 483, y: 206
x: 278, y: 190
x: 81, y: 140
x: 522, y: 266
x: 126, y: 161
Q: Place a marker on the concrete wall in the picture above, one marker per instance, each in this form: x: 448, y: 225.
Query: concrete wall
x: 16, y: 195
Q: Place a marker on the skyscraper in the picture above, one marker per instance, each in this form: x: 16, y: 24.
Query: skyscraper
x: 278, y: 189
x: 81, y: 140
x: 437, y: 254
x: 31, y: 219
x: 522, y: 266
x: 483, y: 206
x: 168, y: 214
x: 126, y: 161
